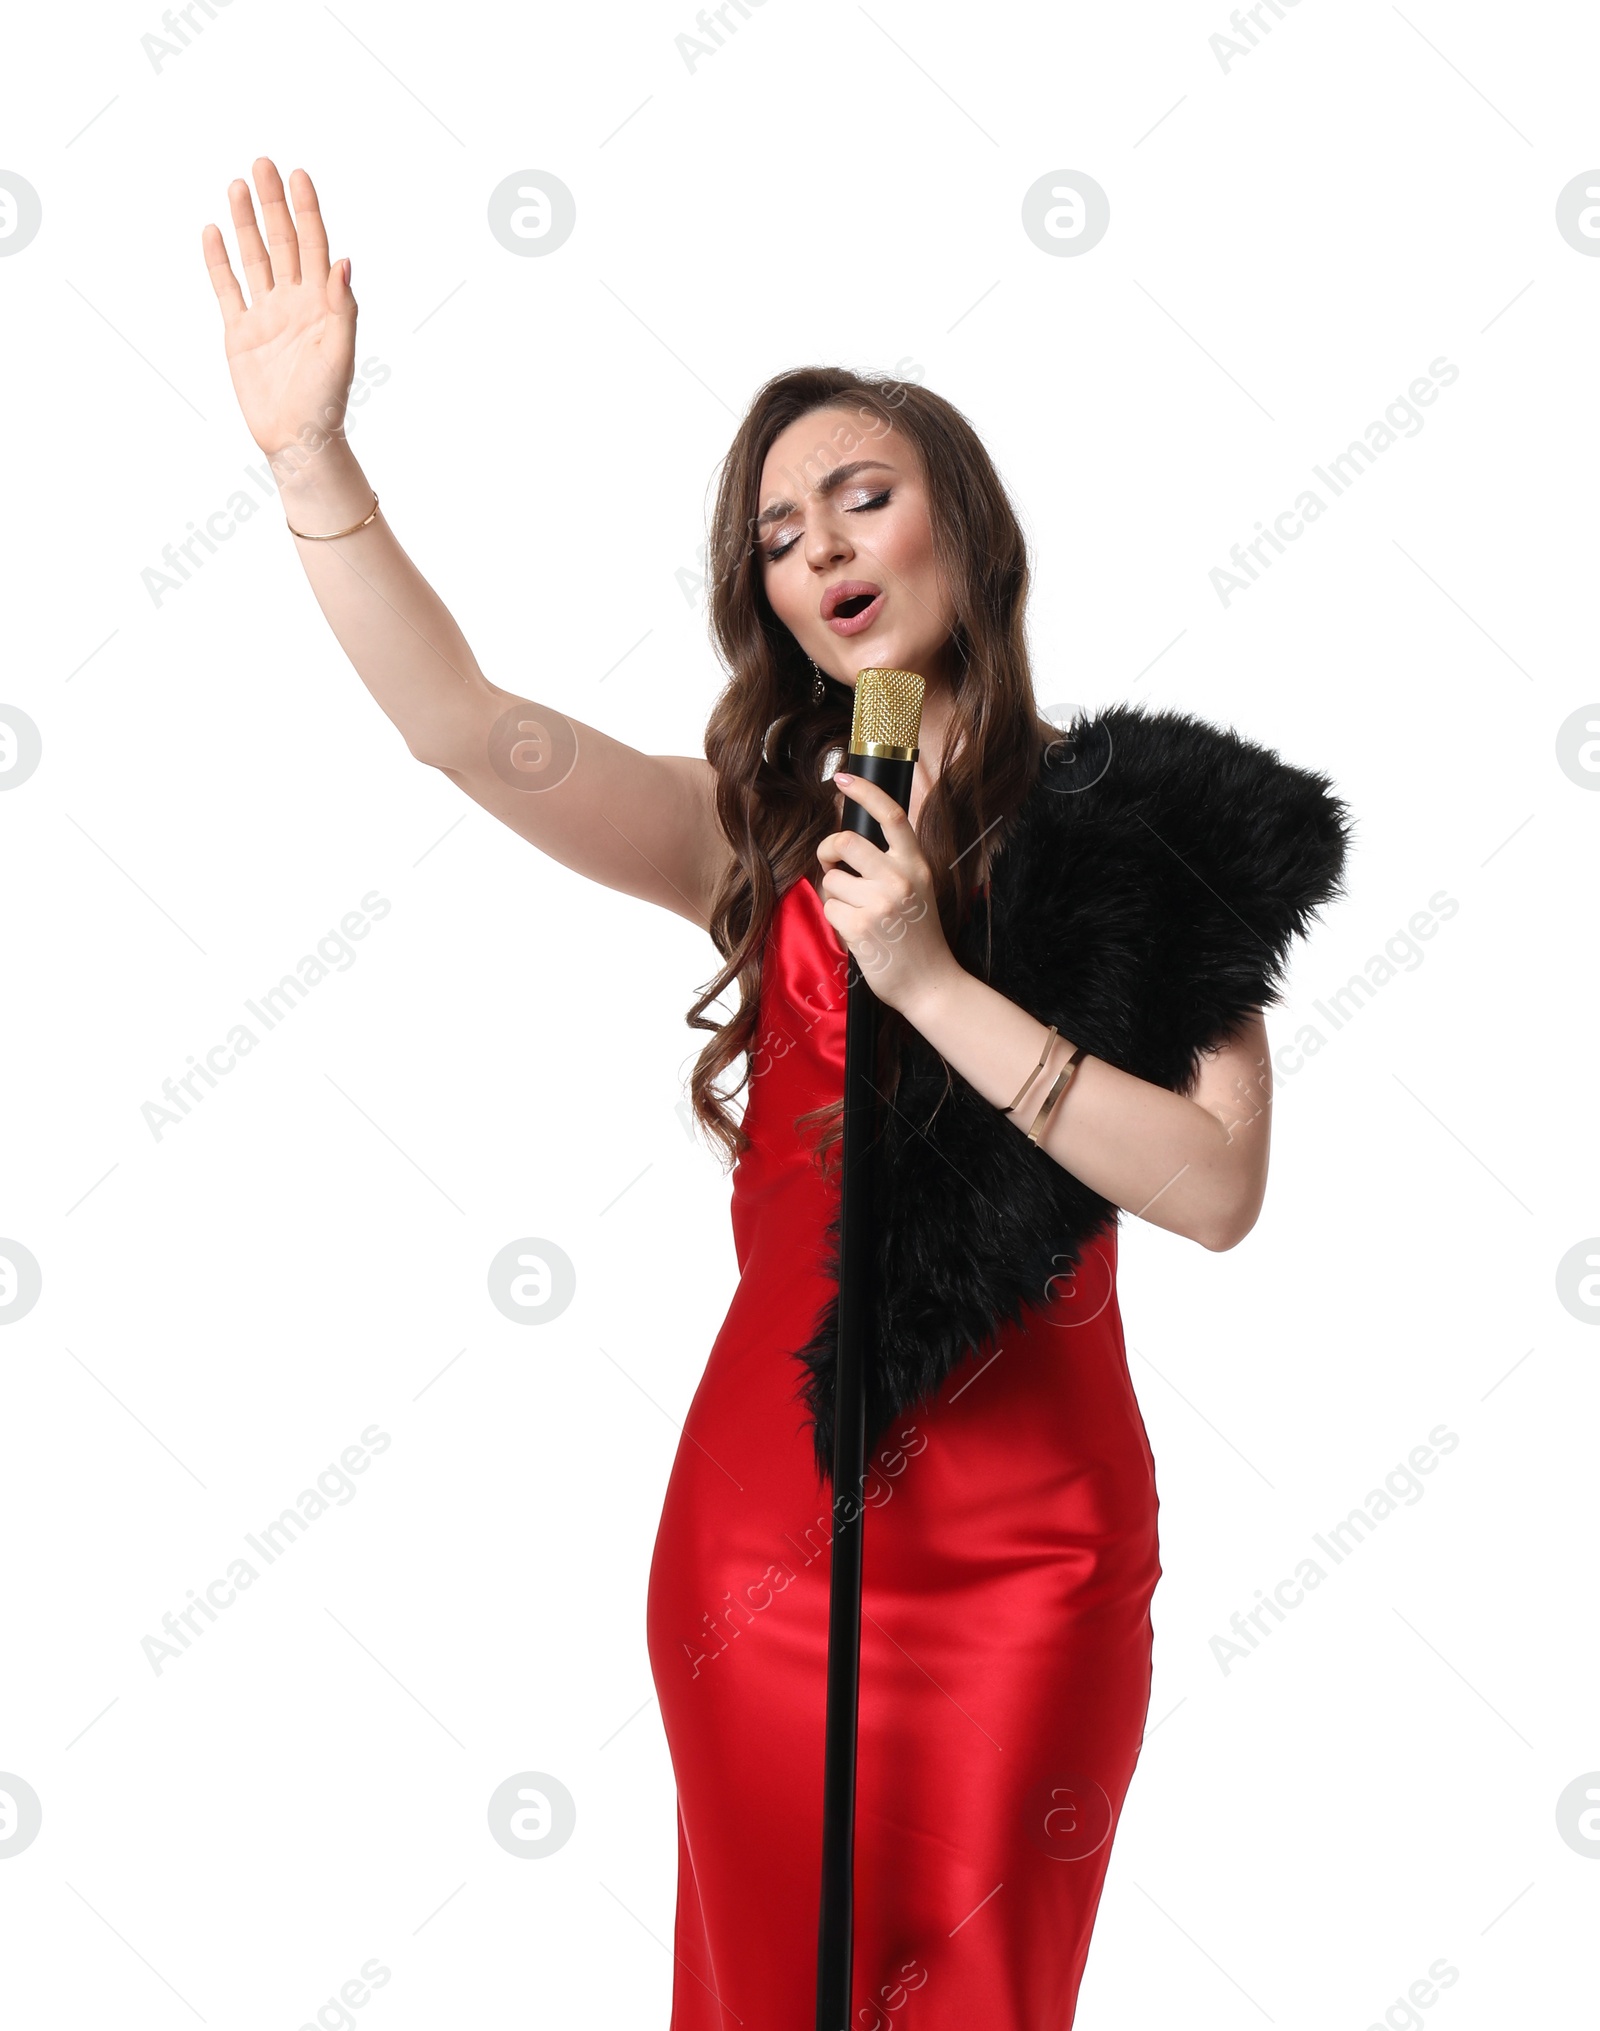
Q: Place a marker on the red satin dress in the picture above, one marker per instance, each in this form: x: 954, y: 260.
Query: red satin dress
x: 1009, y: 1560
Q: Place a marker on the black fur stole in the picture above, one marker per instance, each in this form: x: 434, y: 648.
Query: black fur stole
x: 1144, y: 902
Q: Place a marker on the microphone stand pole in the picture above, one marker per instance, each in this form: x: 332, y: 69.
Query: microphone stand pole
x: 890, y: 768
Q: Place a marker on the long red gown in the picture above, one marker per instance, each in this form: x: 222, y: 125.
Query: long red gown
x: 1009, y: 1560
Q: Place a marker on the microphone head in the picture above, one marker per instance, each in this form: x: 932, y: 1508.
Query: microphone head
x: 888, y: 713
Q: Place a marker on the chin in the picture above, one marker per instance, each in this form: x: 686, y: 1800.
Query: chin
x: 896, y: 659
x: 880, y: 655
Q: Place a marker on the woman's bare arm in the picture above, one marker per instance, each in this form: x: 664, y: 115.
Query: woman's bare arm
x: 1195, y: 1164
x: 642, y: 823
x: 645, y: 824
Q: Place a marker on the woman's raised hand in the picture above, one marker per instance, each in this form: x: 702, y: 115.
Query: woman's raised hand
x: 291, y: 348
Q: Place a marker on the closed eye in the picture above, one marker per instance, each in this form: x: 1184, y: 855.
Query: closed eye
x: 862, y: 508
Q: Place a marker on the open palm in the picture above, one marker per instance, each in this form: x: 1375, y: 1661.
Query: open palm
x: 291, y: 348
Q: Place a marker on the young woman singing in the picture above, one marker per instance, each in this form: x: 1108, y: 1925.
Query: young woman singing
x: 1074, y: 936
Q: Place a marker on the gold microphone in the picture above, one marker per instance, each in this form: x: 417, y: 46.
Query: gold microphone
x: 883, y: 750
x: 883, y: 742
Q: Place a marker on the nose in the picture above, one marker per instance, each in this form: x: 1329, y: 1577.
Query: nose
x: 826, y: 542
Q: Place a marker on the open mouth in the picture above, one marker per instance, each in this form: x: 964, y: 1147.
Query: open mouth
x: 850, y: 607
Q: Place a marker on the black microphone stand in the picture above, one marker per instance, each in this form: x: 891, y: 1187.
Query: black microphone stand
x: 836, y: 1919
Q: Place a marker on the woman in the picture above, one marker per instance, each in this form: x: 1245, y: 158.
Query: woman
x: 1011, y: 1548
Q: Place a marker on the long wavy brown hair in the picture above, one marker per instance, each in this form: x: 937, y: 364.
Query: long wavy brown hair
x: 767, y: 740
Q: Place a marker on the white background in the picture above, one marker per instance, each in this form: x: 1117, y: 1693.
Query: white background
x: 1294, y: 239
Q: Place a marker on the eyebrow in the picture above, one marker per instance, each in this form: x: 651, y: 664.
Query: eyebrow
x: 826, y: 485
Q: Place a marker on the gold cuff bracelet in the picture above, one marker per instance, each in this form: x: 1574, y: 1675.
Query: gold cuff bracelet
x: 1063, y: 1080
x: 1050, y: 1037
x: 333, y: 533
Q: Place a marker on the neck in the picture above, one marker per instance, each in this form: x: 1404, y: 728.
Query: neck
x: 938, y: 706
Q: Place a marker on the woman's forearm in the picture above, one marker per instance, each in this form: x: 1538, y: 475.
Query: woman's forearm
x: 397, y: 632
x: 1154, y: 1153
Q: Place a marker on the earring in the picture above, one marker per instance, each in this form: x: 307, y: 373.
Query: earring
x: 818, y: 688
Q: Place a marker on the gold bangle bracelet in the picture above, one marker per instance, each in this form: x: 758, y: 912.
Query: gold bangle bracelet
x: 334, y: 533
x: 1064, y: 1079
x: 1050, y: 1037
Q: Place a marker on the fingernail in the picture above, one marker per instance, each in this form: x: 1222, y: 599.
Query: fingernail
x: 842, y: 776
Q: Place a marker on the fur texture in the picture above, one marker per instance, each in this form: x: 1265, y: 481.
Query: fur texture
x: 1144, y: 902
